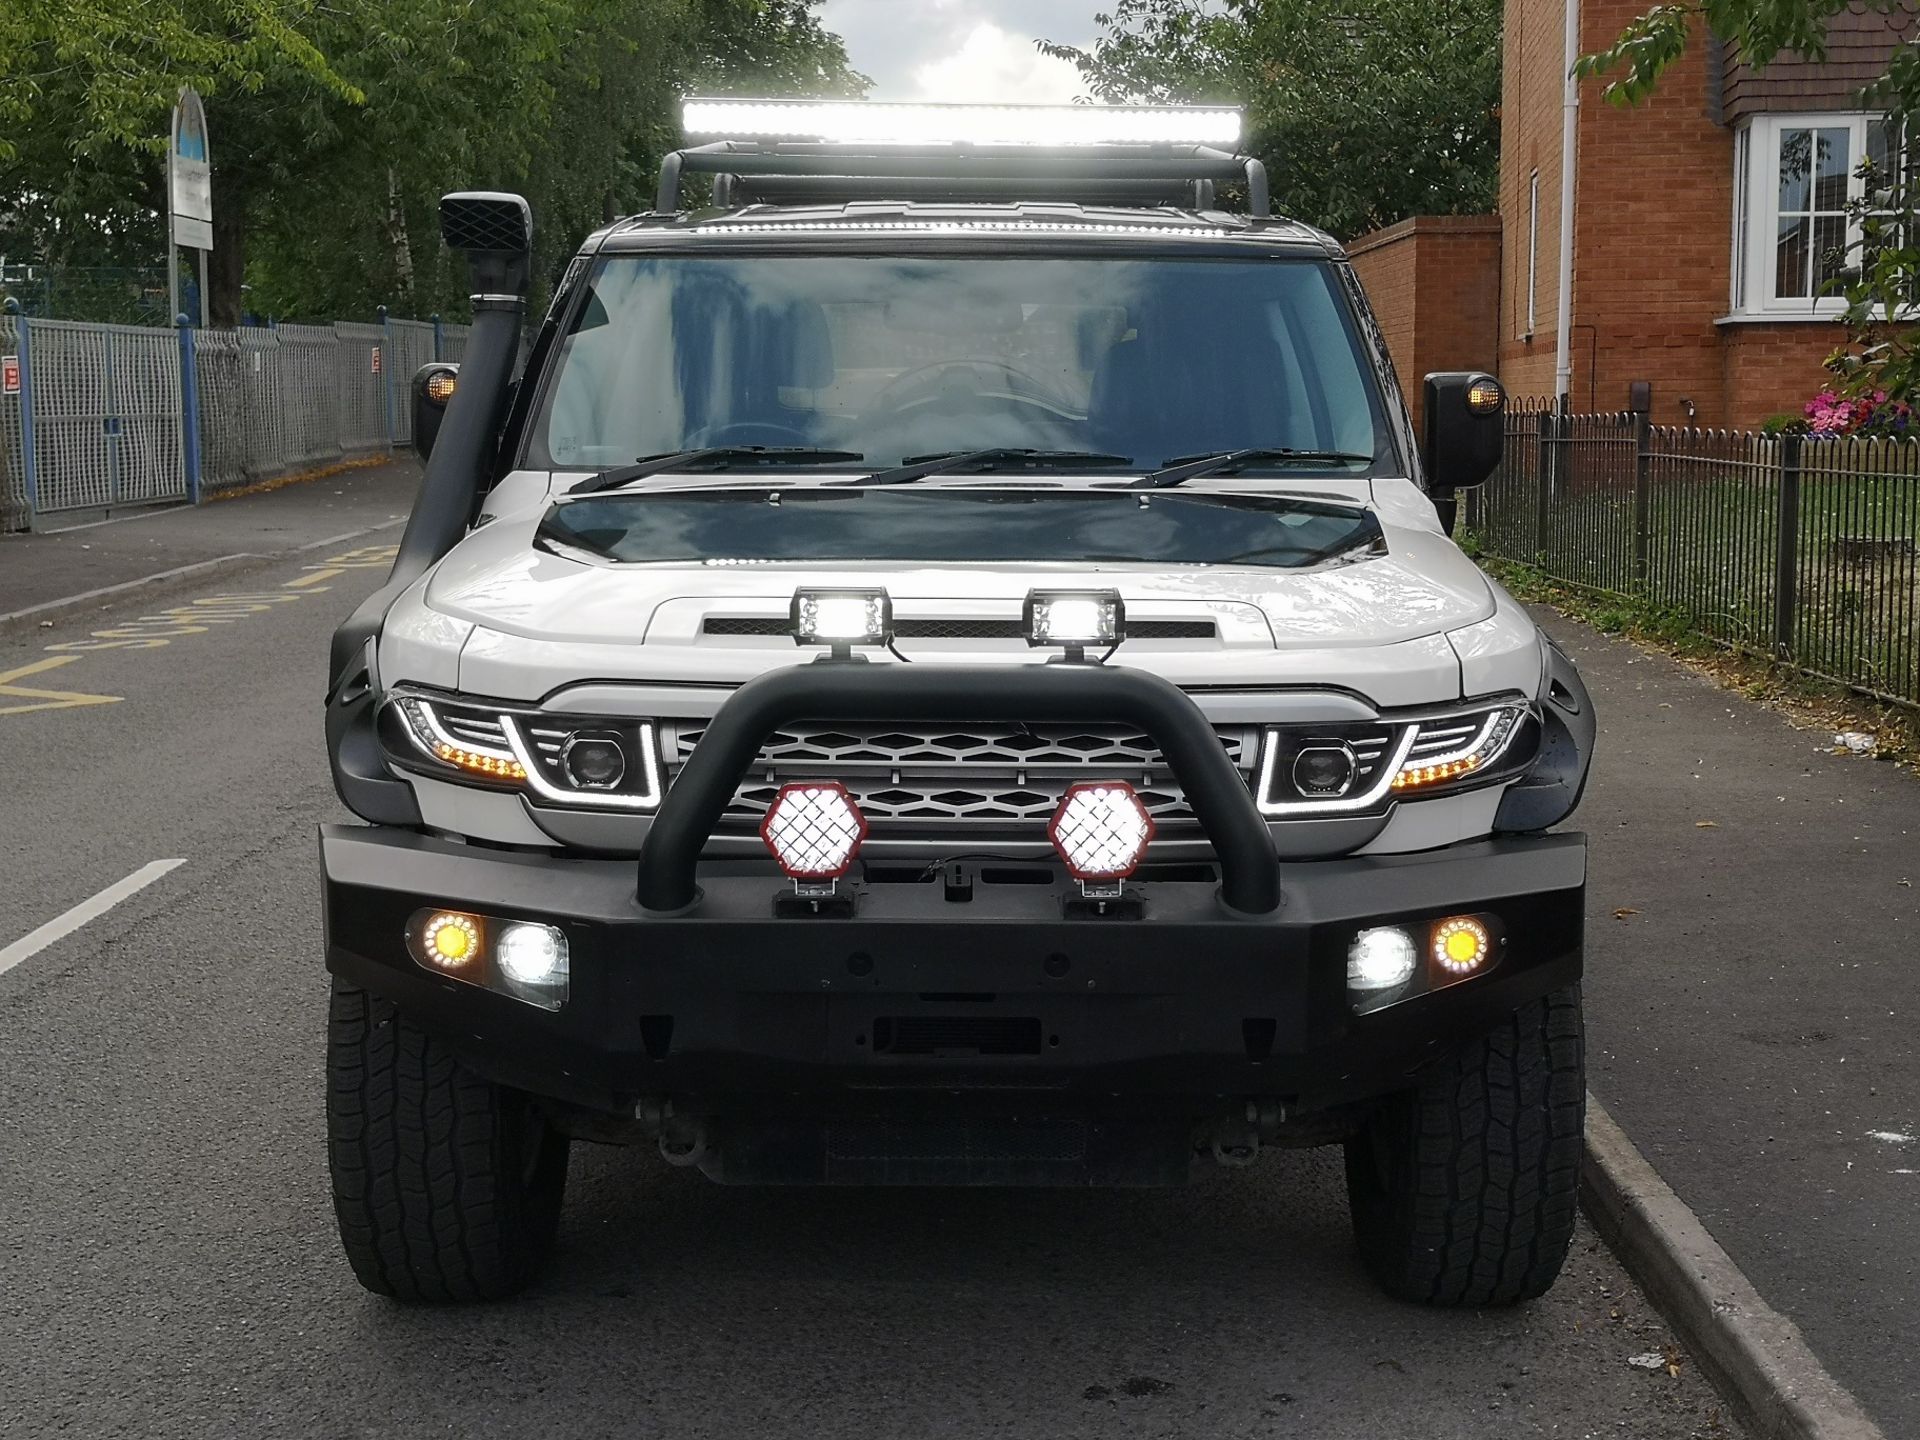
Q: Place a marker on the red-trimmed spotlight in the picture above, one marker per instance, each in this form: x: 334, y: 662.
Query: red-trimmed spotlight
x: 814, y: 830
x: 1101, y: 830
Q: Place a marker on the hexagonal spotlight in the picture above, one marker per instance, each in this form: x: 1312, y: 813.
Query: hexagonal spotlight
x: 814, y: 830
x: 1101, y: 830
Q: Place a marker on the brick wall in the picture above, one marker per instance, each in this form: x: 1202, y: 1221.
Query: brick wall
x: 1434, y: 283
x: 1773, y: 369
x: 1652, y: 231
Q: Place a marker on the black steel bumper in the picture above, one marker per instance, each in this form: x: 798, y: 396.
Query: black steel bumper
x: 730, y: 1006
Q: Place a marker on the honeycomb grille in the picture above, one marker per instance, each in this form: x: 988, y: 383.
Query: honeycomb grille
x: 969, y: 777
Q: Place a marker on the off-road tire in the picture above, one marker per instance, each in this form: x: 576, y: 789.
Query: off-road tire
x: 446, y: 1187
x: 1462, y: 1191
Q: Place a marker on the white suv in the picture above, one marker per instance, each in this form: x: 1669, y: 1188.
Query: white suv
x: 920, y: 681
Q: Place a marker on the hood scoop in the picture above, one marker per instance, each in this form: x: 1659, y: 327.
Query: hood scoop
x: 961, y: 629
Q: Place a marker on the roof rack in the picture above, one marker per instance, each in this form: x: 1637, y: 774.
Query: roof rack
x: 799, y: 151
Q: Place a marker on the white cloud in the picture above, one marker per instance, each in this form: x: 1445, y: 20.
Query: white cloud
x: 995, y: 66
x: 963, y: 49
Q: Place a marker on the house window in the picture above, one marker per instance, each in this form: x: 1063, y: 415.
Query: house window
x: 1533, y: 251
x: 1794, y: 178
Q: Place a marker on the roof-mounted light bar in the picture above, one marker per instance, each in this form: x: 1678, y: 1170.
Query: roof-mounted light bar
x: 840, y: 123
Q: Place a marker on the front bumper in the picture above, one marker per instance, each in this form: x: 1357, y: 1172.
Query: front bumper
x: 1188, y: 1009
x: 969, y: 1027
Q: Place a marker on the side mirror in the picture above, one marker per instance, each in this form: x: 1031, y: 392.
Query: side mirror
x: 1465, y: 430
x: 433, y: 387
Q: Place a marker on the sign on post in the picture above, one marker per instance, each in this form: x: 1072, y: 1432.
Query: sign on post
x: 373, y: 359
x: 9, y: 374
x: 190, y: 174
x: 189, y: 195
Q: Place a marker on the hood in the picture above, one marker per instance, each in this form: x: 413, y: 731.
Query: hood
x: 533, y: 621
x: 499, y: 580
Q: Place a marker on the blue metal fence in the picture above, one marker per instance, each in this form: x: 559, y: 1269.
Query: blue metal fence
x: 104, y: 417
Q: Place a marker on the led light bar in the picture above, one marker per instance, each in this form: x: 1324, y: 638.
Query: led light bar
x: 839, y: 123
x: 1075, y: 618
x: 841, y: 618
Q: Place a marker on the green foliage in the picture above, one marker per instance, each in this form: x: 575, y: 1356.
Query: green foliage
x: 1366, y: 111
x: 336, y: 127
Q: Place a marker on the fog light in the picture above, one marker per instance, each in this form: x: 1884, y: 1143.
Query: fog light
x: 451, y: 941
x: 1325, y: 771
x: 532, y: 956
x: 594, y: 760
x: 1101, y: 830
x: 1381, y: 959
x: 1461, y: 945
x: 814, y: 830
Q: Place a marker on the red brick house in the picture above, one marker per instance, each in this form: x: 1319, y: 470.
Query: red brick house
x: 1702, y: 222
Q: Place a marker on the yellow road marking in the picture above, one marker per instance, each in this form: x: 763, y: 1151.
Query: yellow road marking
x: 46, y: 699
x: 163, y: 627
x: 316, y: 577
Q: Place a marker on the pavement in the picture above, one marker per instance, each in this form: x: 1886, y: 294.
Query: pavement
x: 1753, y: 998
x: 168, y: 1253
x: 220, y: 537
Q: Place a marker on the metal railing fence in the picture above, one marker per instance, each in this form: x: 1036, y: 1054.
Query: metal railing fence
x: 1802, y: 548
x: 96, y: 417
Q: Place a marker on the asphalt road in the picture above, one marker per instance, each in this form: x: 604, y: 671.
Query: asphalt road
x: 167, y: 1258
x: 1753, y: 998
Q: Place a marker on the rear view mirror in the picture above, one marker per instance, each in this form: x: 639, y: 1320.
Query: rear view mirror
x: 433, y: 387
x: 1465, y: 429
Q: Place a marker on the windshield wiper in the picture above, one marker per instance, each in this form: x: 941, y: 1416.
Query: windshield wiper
x: 1232, y: 462
x: 717, y: 458
x: 999, y: 458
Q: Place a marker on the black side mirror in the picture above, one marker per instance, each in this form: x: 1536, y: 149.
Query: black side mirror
x: 1465, y: 430
x: 433, y: 387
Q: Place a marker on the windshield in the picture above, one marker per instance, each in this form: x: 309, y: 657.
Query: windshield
x: 893, y: 358
x: 818, y: 525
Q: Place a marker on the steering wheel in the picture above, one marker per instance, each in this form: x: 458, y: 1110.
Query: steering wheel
x: 753, y: 432
x: 893, y: 395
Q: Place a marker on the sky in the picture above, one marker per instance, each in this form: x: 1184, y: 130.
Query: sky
x: 964, y: 50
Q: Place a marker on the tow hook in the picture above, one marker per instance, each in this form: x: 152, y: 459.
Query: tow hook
x: 1236, y: 1143
x: 682, y: 1141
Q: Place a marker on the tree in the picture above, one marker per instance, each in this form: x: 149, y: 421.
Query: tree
x: 1881, y: 280
x: 336, y: 127
x: 1366, y: 111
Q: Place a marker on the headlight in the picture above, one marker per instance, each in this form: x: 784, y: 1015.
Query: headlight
x: 1309, y: 772
x: 578, y: 763
x: 1458, y: 746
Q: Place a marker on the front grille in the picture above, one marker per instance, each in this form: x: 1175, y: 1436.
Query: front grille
x: 976, y: 775
x: 964, y: 629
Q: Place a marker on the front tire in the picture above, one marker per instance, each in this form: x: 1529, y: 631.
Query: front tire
x: 445, y: 1186
x: 1463, y: 1190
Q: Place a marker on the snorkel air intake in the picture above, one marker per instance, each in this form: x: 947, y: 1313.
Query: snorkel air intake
x: 496, y: 233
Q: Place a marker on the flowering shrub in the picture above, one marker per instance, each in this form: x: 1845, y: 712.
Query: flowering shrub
x: 1831, y: 414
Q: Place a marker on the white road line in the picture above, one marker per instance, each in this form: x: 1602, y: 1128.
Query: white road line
x: 61, y: 926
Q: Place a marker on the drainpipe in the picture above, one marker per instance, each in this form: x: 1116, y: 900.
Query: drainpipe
x: 1569, y: 125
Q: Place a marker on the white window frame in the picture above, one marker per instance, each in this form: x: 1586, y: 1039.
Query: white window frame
x: 1533, y: 253
x: 1756, y: 209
